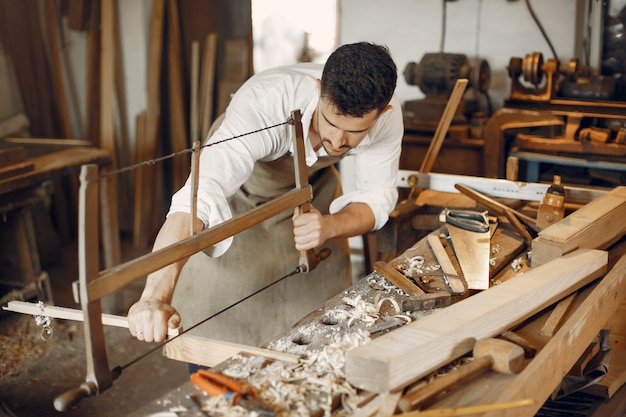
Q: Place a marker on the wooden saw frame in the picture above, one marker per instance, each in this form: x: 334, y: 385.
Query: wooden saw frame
x: 95, y: 284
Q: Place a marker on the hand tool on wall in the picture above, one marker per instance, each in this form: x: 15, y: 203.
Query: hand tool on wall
x: 496, y: 354
x: 216, y: 384
x: 471, y: 240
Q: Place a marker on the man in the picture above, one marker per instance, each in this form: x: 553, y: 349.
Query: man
x: 348, y: 108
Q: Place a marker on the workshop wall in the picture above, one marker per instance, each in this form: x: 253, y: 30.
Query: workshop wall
x: 494, y: 30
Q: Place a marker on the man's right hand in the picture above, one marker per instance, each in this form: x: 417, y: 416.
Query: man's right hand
x: 148, y: 320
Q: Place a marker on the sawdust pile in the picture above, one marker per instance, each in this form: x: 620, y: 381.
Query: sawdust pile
x: 19, y: 345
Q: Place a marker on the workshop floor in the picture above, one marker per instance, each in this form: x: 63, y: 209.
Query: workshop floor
x: 33, y: 371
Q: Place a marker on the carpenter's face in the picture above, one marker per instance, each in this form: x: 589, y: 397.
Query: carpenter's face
x: 340, y: 133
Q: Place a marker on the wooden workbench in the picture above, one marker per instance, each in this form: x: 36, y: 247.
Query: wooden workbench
x: 50, y: 163
x: 312, y: 336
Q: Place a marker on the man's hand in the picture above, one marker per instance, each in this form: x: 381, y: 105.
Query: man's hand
x: 148, y: 320
x: 309, y: 229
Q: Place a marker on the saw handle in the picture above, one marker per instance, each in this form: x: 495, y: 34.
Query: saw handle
x: 309, y: 259
x: 72, y: 397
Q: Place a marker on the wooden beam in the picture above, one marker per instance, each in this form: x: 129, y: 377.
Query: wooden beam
x: 394, y: 360
x: 554, y: 360
x: 444, y: 124
x: 207, y: 352
x: 596, y: 225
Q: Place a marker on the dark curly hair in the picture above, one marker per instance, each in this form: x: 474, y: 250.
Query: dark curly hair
x: 358, y: 78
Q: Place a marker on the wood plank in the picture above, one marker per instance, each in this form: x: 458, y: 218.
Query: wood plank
x: 554, y: 360
x: 208, y: 352
x: 557, y: 316
x: 207, y: 84
x: 55, y: 67
x: 147, y: 149
x: 193, y: 106
x: 16, y: 169
x: 54, y: 165
x: 444, y: 124
x: 597, y: 225
x: 107, y: 77
x: 178, y: 126
x: 394, y: 360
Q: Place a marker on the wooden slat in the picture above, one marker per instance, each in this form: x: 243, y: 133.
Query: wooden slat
x: 54, y: 165
x: 139, y: 221
x: 444, y: 124
x: 208, y: 352
x: 57, y: 73
x: 597, y: 225
x: 178, y: 125
x: 147, y: 149
x: 193, y: 106
x: 207, y: 84
x: 15, y: 169
x: 394, y: 360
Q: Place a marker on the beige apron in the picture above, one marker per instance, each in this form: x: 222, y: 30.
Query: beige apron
x: 260, y: 256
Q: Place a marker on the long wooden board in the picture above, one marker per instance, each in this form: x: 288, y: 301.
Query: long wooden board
x: 207, y: 352
x: 598, y: 224
x: 553, y: 361
x: 409, y: 353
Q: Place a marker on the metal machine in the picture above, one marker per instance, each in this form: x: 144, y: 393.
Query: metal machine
x: 436, y: 75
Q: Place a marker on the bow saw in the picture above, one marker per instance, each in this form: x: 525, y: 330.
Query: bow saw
x: 93, y: 284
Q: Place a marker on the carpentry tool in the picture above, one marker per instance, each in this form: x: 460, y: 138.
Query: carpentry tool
x: 471, y: 241
x: 308, y: 259
x: 552, y: 207
x: 513, y: 216
x: 455, y: 283
x: 418, y: 299
x: 96, y: 284
x: 216, y: 384
x: 496, y: 354
x: 468, y: 220
x: 499, y: 188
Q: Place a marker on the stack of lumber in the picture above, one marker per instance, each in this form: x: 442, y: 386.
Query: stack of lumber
x: 597, y: 225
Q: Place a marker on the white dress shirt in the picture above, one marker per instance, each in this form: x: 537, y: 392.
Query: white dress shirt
x: 265, y: 100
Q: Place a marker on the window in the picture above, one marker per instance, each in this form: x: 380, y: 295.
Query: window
x: 288, y: 31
